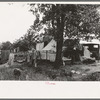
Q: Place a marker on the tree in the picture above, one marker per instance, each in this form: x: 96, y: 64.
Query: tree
x: 29, y: 38
x: 54, y: 15
x: 6, y: 46
x: 22, y: 44
x: 72, y: 20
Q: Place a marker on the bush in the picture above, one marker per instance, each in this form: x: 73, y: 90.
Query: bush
x: 92, y: 77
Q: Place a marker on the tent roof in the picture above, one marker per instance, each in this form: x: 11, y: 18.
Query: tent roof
x: 50, y: 46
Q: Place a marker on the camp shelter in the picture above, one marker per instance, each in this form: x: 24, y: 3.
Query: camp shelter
x: 43, y: 43
x: 49, y: 51
x: 51, y: 46
x: 39, y: 46
x: 93, y: 46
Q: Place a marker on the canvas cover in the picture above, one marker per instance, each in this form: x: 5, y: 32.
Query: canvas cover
x: 94, y: 41
x: 39, y: 46
x: 51, y: 46
x: 49, y: 52
x: 87, y: 53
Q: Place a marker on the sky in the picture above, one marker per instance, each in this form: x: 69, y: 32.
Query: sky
x: 15, y: 20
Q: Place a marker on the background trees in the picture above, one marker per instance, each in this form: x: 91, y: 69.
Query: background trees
x: 6, y: 46
x: 57, y: 20
x: 26, y: 42
x: 71, y: 20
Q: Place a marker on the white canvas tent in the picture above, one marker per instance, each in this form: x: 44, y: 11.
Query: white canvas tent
x: 49, y: 51
x: 39, y: 46
x: 51, y: 46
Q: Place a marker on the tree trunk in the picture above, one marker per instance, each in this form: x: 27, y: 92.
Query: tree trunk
x: 60, y: 29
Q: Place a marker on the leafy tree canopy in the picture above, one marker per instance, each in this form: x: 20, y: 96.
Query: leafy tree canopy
x: 69, y: 19
x: 6, y: 46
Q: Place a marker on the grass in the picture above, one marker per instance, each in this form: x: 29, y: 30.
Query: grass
x: 46, y: 72
x: 92, y: 77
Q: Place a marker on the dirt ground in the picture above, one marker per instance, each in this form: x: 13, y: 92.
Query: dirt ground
x: 46, y: 72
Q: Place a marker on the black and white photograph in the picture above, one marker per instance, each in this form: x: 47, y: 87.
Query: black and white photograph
x: 49, y: 41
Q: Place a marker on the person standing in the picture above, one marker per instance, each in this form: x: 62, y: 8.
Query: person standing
x: 34, y: 57
x: 11, y: 59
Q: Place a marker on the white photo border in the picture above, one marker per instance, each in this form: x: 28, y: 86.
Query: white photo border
x: 44, y: 90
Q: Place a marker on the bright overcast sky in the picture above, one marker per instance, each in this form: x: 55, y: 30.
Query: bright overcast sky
x: 15, y: 19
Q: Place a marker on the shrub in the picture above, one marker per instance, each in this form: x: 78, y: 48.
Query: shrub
x: 92, y: 77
